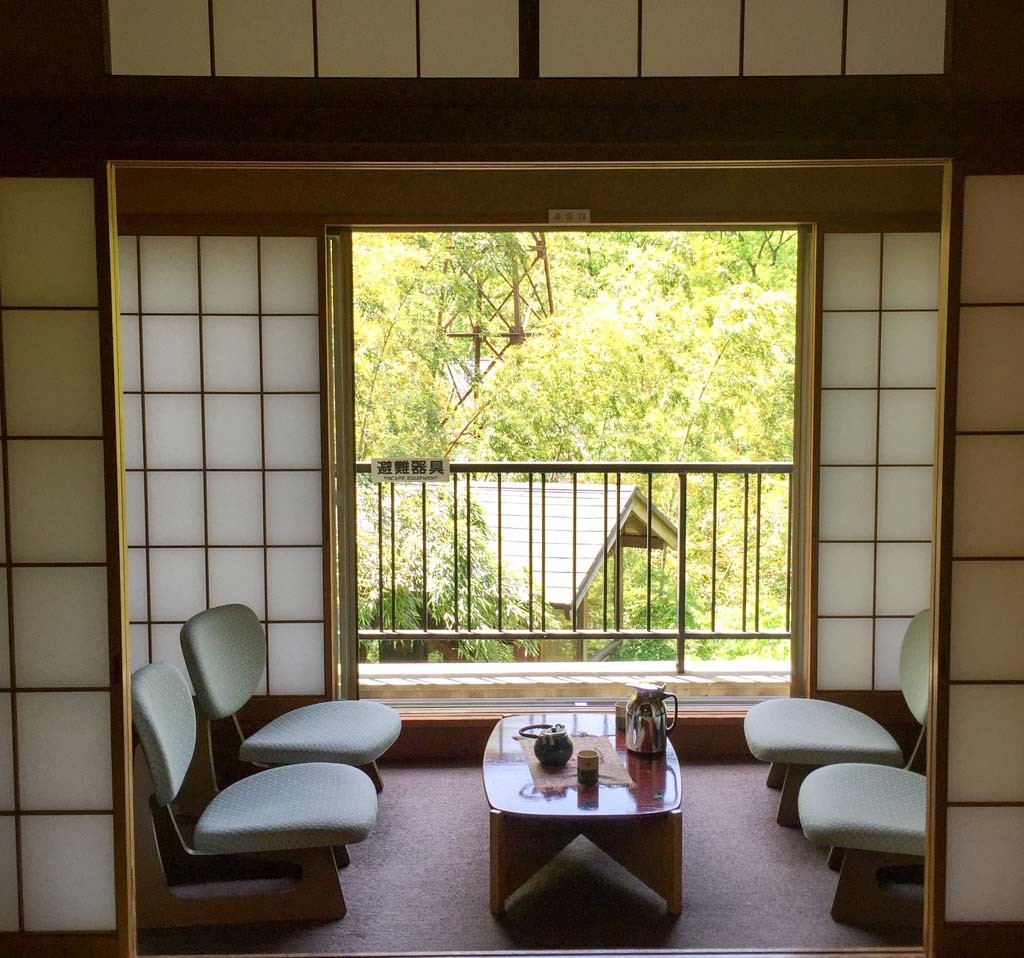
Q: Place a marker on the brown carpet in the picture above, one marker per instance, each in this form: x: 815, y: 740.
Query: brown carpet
x: 420, y: 882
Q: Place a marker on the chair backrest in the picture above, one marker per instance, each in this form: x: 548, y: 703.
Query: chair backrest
x: 165, y: 721
x: 226, y: 654
x: 914, y: 664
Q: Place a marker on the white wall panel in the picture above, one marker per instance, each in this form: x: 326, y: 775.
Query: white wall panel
x: 903, y: 578
x: 993, y: 241
x: 989, y: 515
x: 793, y: 37
x: 852, y: 262
x: 909, y: 355
x: 176, y: 510
x: 910, y: 271
x: 985, y: 864
x: 171, y: 361
x: 159, y: 37
x: 588, y: 38
x: 849, y: 419
x: 231, y: 353
x: 294, y: 508
x: 6, y: 754
x: 174, y: 432
x: 906, y: 426
x: 905, y: 502
x: 230, y: 267
x: 844, y: 653
x: 469, y: 38
x: 128, y: 274
x: 8, y: 875
x: 236, y: 575
x: 889, y: 635
x: 295, y: 582
x: 845, y: 578
x: 691, y: 37
x: 292, y: 431
x: 906, y: 37
x: 263, y: 38
x: 131, y: 360
x: 291, y: 353
x: 131, y: 422
x: 849, y: 350
x: 169, y: 267
x: 987, y: 627
x: 359, y: 39
x: 847, y: 503
x: 296, y: 658
x: 5, y: 645
x: 178, y: 583
x: 990, y: 391
x: 235, y: 506
x: 234, y: 432
x: 984, y: 743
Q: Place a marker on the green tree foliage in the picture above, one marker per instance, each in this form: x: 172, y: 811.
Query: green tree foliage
x: 674, y: 345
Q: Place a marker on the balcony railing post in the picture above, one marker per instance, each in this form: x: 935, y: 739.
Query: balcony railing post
x: 681, y: 578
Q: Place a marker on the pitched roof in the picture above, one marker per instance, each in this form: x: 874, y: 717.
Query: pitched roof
x: 596, y: 525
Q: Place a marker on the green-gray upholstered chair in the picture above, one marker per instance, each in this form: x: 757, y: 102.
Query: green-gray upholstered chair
x: 873, y: 818
x: 798, y: 735
x: 225, y: 651
x: 280, y: 823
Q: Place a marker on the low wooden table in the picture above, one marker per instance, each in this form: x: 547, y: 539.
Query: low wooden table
x: 639, y: 826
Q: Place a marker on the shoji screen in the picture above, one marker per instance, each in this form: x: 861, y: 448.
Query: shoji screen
x: 221, y: 365
x: 57, y: 819
x: 985, y: 817
x: 878, y: 371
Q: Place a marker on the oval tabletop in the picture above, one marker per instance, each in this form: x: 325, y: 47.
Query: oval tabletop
x: 510, y: 787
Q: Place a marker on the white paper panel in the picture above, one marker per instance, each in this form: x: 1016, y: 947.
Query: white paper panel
x: 170, y: 346
x: 52, y: 373
x: 993, y: 240
x: 135, y: 508
x: 588, y: 38
x: 128, y: 274
x: 291, y: 353
x: 292, y: 431
x: 6, y: 754
x: 236, y: 575
x: 8, y: 876
x: 263, y: 38
x: 888, y: 642
x: 47, y: 242
x: 910, y: 271
x: 990, y: 387
x: 289, y: 271
x: 57, y: 501
x: 68, y: 872
x: 230, y: 282
x: 235, y: 508
x: 64, y: 750
x: 131, y: 363
x: 985, y: 761
x: 60, y: 627
x: 159, y: 37
x: 138, y: 639
x: 905, y: 502
x: 294, y: 508
x: 844, y: 653
x: 848, y: 422
x: 231, y: 353
x: 985, y: 864
x: 903, y: 578
x: 5, y: 648
x: 909, y: 349
x: 883, y: 37
x: 360, y: 39
x: 137, y: 589
x: 470, y: 38
x: 849, y: 349
x: 845, y: 585
x: 233, y: 432
x: 176, y: 509
x: 847, y: 504
x: 131, y: 420
x: 296, y: 658
x: 295, y: 580
x: 989, y: 515
x: 167, y: 648
x: 852, y: 262
x: 987, y: 629
x: 691, y: 37
x: 793, y: 37
x: 174, y: 432
x: 170, y: 274
x: 178, y: 582
x: 907, y: 426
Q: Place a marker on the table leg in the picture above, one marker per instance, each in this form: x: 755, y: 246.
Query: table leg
x: 499, y: 864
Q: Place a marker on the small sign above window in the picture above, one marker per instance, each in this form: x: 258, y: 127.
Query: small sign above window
x: 409, y: 470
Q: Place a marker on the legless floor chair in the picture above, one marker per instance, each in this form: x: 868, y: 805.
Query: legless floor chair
x: 275, y: 831
x: 226, y: 654
x: 873, y: 817
x: 799, y: 735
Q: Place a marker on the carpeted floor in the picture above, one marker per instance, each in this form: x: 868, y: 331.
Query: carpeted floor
x: 420, y: 882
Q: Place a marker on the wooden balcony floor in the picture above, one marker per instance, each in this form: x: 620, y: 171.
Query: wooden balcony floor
x: 572, y: 680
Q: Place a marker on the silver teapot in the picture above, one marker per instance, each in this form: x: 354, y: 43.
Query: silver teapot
x: 647, y: 724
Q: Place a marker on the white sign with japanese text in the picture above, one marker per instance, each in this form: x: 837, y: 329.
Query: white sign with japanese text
x: 409, y: 469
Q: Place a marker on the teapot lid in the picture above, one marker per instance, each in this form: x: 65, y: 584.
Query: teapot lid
x: 652, y: 687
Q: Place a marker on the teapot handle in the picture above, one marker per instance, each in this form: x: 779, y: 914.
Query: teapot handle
x: 525, y: 730
x: 675, y: 714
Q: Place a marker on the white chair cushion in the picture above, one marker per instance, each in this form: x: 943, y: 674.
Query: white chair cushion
x: 867, y: 807
x: 352, y: 733
x: 283, y: 809
x: 814, y: 732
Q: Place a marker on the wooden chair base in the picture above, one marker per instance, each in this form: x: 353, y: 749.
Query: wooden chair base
x: 861, y: 899
x: 776, y: 775
x: 303, y: 885
x: 789, y: 812
x: 374, y: 772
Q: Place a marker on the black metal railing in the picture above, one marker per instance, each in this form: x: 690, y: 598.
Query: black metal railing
x: 520, y: 553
